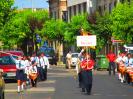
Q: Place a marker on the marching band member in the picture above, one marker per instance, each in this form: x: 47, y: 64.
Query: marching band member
x: 78, y: 68
x: 87, y: 65
x: 129, y: 66
x: 27, y: 68
x: 121, y: 57
x: 46, y: 65
x: 41, y: 67
x: 122, y: 70
x: 33, y: 74
x: 20, y: 75
x: 34, y: 58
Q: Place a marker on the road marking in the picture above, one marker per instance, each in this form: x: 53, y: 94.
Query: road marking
x: 48, y: 81
x: 38, y: 89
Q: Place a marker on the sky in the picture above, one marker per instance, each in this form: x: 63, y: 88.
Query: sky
x: 28, y: 4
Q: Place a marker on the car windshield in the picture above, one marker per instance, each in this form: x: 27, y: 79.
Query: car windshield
x: 15, y: 57
x: 6, y: 60
x: 131, y: 51
x: 74, y: 55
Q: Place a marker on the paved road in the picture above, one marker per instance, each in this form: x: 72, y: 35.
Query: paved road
x: 61, y: 84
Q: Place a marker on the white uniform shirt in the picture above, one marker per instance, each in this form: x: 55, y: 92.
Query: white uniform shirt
x: 121, y: 59
x: 129, y: 62
x: 46, y: 61
x: 41, y: 62
x: 33, y: 69
x: 27, y: 66
x: 20, y: 64
x: 35, y: 59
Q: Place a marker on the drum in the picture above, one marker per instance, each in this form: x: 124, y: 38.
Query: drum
x: 122, y: 69
x: 33, y: 76
x: 130, y: 72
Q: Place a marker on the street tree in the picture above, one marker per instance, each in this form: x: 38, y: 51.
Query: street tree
x: 21, y: 28
x: 53, y: 30
x: 122, y: 24
x: 102, y: 28
x: 75, y: 26
x: 6, y: 13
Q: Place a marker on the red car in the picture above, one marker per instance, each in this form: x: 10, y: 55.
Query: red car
x: 7, y: 63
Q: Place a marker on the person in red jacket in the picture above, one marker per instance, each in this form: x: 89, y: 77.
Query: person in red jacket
x: 87, y: 65
x: 111, y: 57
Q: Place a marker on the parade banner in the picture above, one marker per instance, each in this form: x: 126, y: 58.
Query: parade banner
x: 86, y: 40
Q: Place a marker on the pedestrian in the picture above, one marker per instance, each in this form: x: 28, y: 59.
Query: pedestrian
x: 46, y: 65
x: 111, y: 57
x: 34, y: 58
x: 121, y: 57
x: 128, y: 64
x: 40, y: 68
x: 20, y: 75
x: 69, y: 59
x: 27, y: 68
x: 122, y: 70
x: 87, y: 65
x: 33, y: 74
x: 78, y: 68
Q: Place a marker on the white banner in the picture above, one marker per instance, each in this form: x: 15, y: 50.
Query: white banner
x: 86, y: 40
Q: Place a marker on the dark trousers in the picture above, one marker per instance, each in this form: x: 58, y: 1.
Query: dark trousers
x: 127, y: 78
x: 79, y: 79
x: 86, y: 82
x: 111, y: 67
x: 34, y: 82
x: 41, y: 74
x: 45, y: 73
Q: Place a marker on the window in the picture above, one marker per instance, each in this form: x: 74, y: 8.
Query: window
x: 70, y: 12
x: 110, y: 8
x: 64, y: 16
x: 6, y: 60
x: 79, y: 8
x: 75, y: 55
x: 84, y: 7
x: 74, y: 9
x: 100, y: 10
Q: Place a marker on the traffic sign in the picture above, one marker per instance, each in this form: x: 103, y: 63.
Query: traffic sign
x: 38, y: 38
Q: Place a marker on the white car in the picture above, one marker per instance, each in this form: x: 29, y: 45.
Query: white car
x: 74, y: 59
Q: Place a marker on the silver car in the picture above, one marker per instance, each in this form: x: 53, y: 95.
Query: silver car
x: 74, y: 59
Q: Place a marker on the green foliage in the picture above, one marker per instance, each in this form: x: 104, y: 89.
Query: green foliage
x: 77, y: 23
x: 102, y: 30
x: 23, y: 25
x: 122, y: 22
x: 5, y: 11
x: 54, y: 29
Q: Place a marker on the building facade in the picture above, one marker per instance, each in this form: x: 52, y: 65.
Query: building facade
x: 58, y: 9
x: 89, y: 6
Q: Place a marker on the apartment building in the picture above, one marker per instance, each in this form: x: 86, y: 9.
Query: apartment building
x: 58, y: 9
x: 89, y: 6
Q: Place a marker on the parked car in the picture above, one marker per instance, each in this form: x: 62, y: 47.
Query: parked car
x: 74, y: 59
x: 15, y: 53
x: 2, y: 85
x: 7, y: 63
